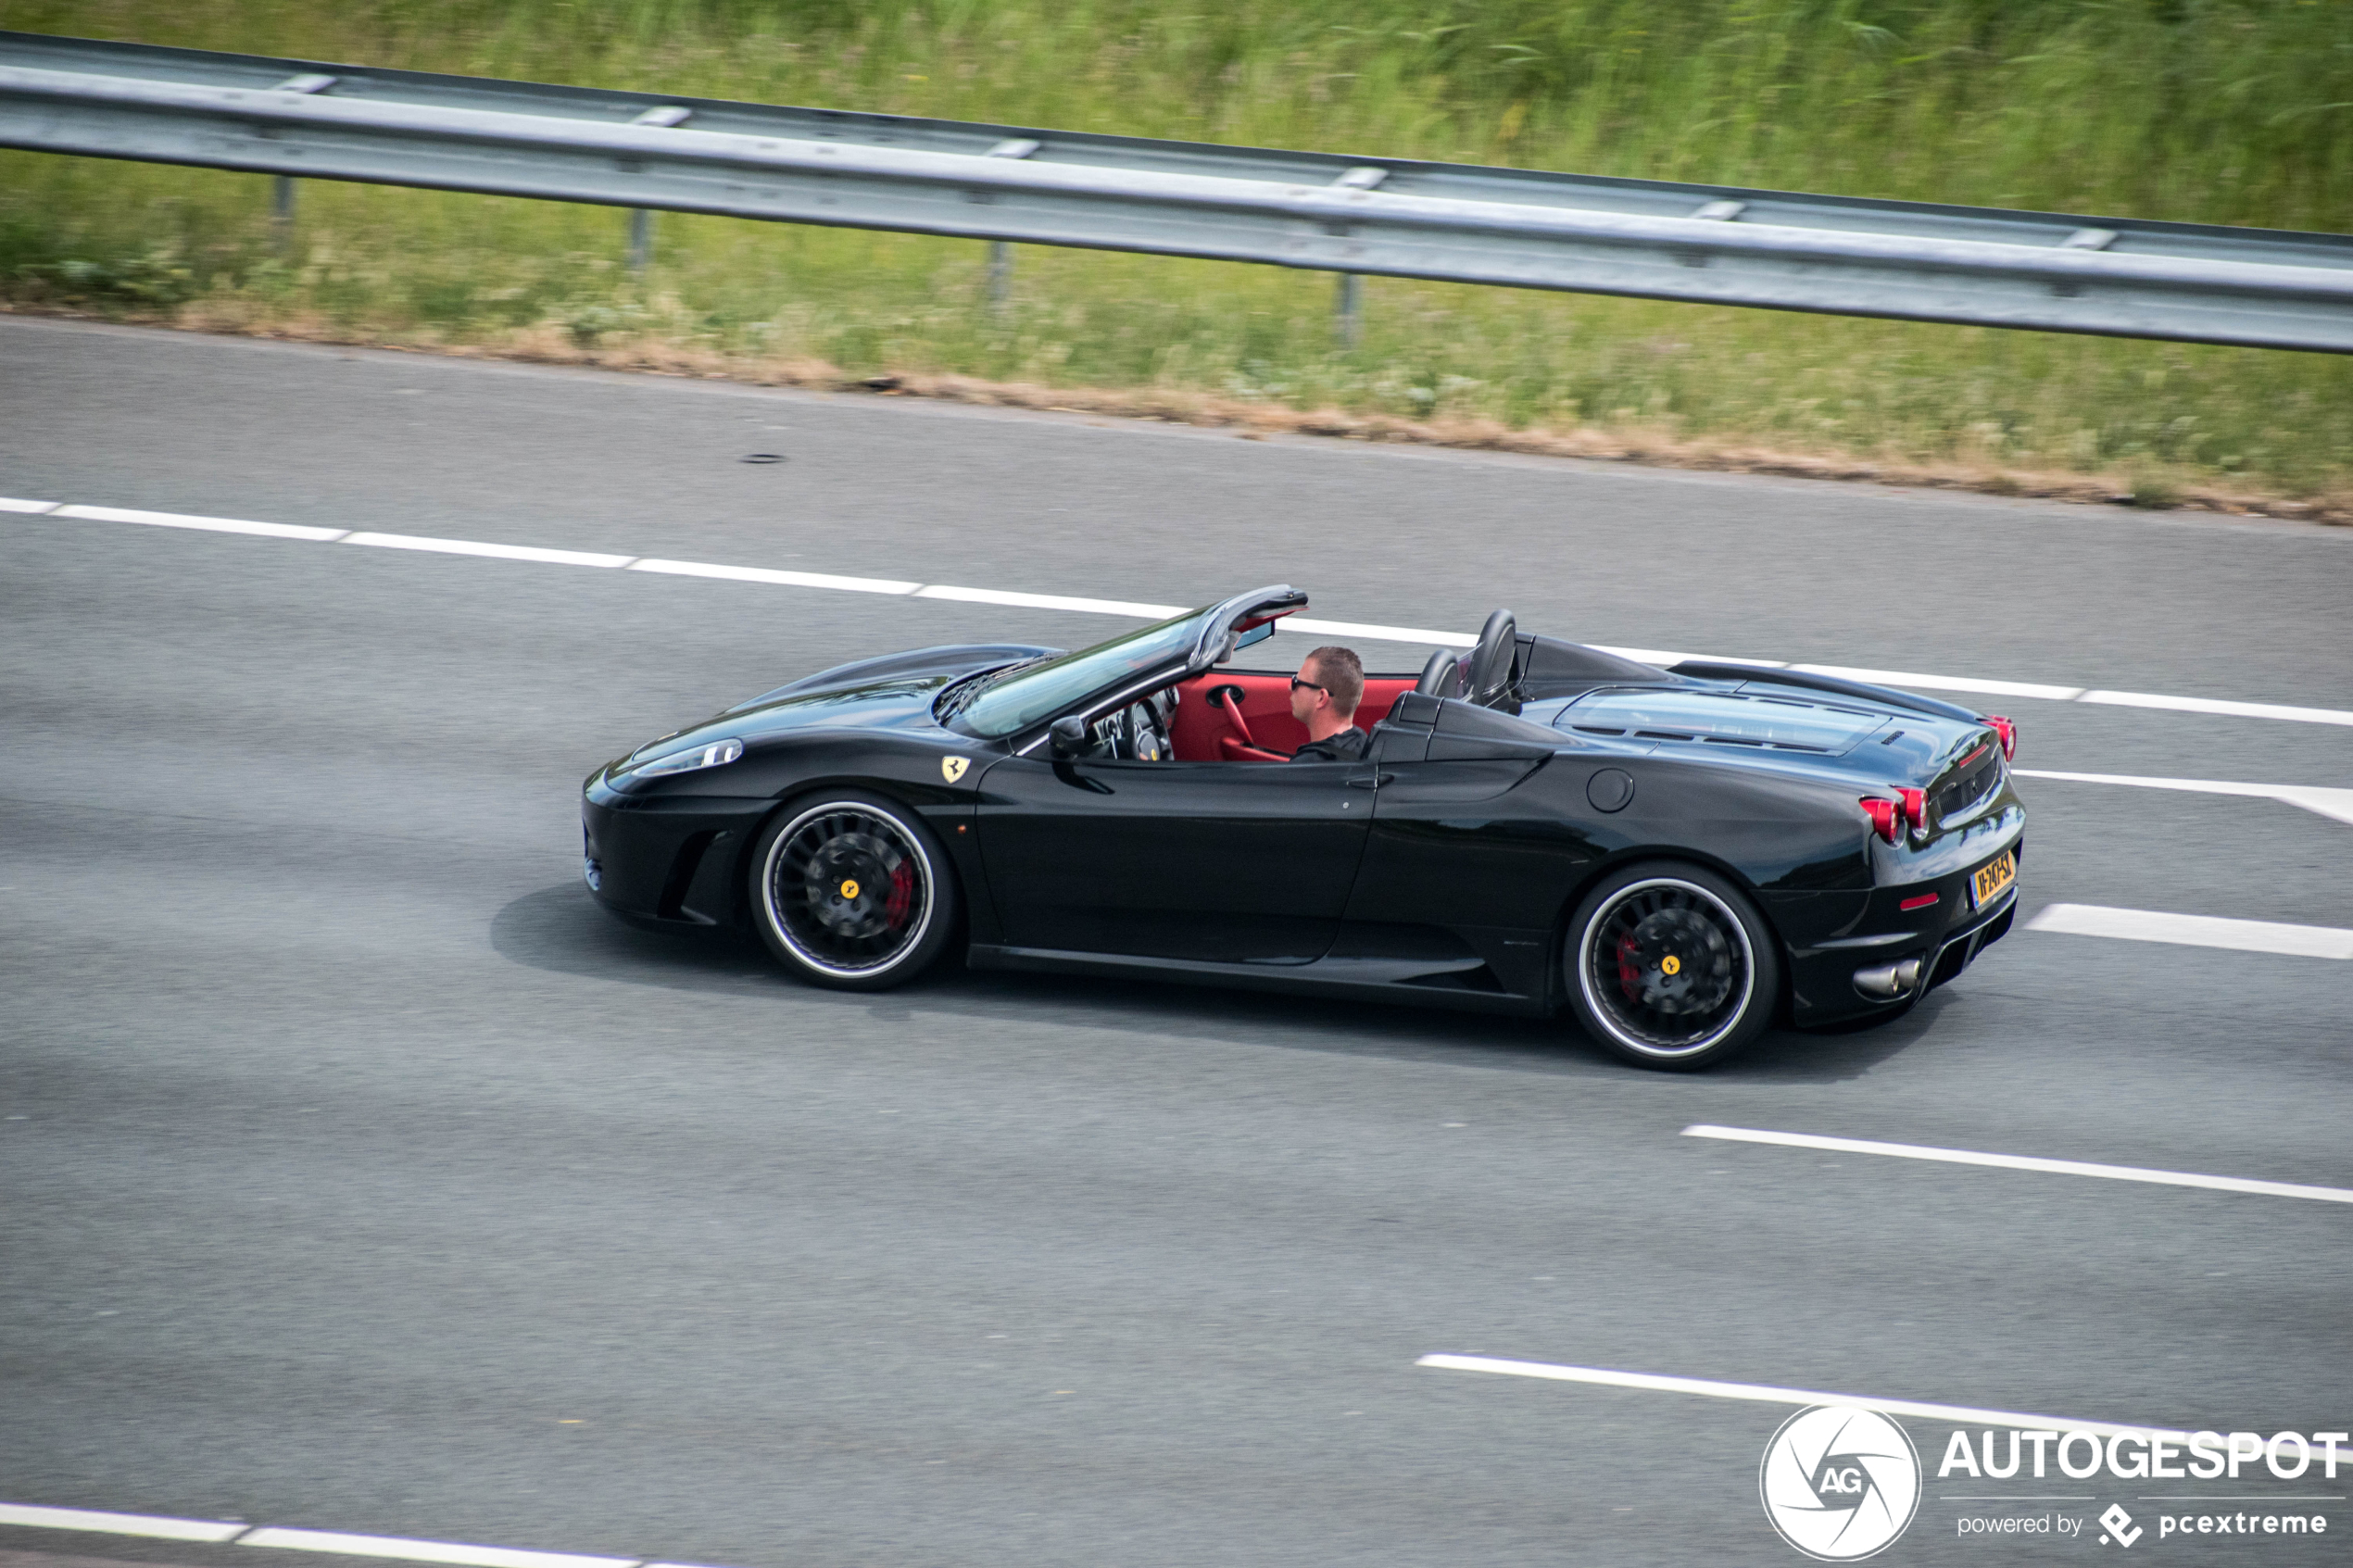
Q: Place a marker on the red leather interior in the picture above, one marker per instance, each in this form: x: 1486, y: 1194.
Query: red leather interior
x: 1203, y: 732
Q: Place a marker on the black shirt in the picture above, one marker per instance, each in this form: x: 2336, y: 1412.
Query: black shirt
x: 1346, y: 745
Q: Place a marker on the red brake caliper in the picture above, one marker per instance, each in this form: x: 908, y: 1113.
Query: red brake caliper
x: 901, y: 902
x: 1630, y: 973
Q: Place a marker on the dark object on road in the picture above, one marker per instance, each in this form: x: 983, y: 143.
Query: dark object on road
x: 1677, y: 856
x: 762, y: 457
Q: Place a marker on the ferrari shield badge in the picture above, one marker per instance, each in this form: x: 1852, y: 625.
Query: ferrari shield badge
x: 954, y: 766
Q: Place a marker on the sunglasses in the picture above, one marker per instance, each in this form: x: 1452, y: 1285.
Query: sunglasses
x: 1296, y: 683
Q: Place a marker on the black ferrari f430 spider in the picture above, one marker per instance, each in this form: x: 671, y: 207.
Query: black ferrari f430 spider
x: 1678, y: 856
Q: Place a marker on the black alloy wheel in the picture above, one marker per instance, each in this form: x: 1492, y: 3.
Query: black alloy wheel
x: 852, y: 893
x: 1671, y: 967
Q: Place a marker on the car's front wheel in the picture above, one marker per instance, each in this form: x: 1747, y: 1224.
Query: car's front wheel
x: 1670, y: 966
x: 852, y: 892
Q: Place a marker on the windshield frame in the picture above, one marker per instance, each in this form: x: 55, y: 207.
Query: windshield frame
x: 1072, y: 680
x: 1182, y: 645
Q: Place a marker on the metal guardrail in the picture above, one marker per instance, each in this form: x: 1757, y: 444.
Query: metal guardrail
x: 1454, y: 223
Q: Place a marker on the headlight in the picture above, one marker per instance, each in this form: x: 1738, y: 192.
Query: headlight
x: 715, y: 754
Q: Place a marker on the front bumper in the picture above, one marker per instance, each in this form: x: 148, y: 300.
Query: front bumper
x: 677, y: 861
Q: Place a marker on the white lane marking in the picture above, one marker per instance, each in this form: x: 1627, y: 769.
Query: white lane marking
x: 1117, y: 606
x: 782, y: 579
x: 10, y: 504
x: 2214, y: 705
x: 153, y: 1526
x: 1945, y: 683
x: 2195, y: 931
x: 2022, y: 1162
x: 2321, y: 799
x: 165, y: 1528
x: 427, y: 1551
x: 207, y: 524
x: 1049, y: 601
x: 1960, y: 1415
x: 1384, y: 633
x: 476, y: 547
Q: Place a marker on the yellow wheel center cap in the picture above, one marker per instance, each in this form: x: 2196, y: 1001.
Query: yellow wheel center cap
x: 849, y: 890
x: 1671, y: 965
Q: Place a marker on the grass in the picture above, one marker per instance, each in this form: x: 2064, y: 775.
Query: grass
x: 2230, y: 111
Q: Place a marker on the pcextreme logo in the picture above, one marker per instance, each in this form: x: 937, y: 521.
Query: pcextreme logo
x: 1840, y: 1483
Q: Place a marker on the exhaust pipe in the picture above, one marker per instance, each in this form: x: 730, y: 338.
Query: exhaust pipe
x: 1884, y: 982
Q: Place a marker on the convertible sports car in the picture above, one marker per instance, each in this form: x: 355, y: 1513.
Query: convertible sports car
x: 1678, y: 856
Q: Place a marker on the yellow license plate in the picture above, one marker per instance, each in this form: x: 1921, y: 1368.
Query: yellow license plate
x: 1989, y: 879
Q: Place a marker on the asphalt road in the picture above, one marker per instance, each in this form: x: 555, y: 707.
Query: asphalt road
x: 360, y: 1176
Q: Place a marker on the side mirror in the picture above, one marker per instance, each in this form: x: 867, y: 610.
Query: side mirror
x: 1069, y: 738
x: 1257, y: 633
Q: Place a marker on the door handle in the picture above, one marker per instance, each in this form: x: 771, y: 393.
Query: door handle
x: 1370, y: 781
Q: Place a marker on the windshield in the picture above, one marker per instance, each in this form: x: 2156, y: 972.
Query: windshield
x: 1016, y: 699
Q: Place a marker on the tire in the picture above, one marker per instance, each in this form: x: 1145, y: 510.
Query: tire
x: 851, y: 891
x: 1670, y: 966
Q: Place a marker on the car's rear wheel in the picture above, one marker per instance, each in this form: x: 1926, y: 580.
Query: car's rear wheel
x: 852, y: 892
x: 1670, y: 966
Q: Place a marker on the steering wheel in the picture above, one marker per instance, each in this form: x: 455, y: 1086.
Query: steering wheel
x: 1137, y: 733
x: 1491, y: 663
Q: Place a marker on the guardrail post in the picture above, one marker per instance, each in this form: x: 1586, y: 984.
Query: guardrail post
x: 1000, y: 276
x: 1347, y: 314
x: 282, y: 191
x: 641, y: 221
x: 282, y: 209
x: 1001, y: 255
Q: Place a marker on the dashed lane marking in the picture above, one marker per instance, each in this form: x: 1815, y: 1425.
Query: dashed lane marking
x: 1050, y: 601
x: 780, y: 579
x: 1945, y: 682
x: 1960, y: 1415
x: 237, y: 1532
x: 1967, y: 683
x: 2321, y: 799
x: 152, y: 1527
x: 205, y: 524
x: 427, y: 1551
x: 2022, y: 1163
x: 2195, y: 931
x: 2216, y: 705
x: 500, y: 552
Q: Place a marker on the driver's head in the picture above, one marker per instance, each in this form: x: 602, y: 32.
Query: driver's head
x: 1330, y: 683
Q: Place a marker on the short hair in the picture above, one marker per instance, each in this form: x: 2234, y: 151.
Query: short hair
x: 1342, y: 677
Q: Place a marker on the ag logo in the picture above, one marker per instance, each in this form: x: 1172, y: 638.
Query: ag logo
x: 1840, y: 1483
x: 953, y: 768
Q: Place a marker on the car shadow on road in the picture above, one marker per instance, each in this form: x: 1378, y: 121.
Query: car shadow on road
x: 562, y: 930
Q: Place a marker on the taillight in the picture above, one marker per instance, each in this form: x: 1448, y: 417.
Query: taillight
x: 1915, y: 803
x: 2008, y: 730
x: 1886, y: 816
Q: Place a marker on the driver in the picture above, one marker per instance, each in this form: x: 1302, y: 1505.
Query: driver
x: 1324, y: 696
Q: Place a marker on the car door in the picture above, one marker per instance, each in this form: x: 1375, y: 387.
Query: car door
x: 1476, y: 832
x: 1234, y: 862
